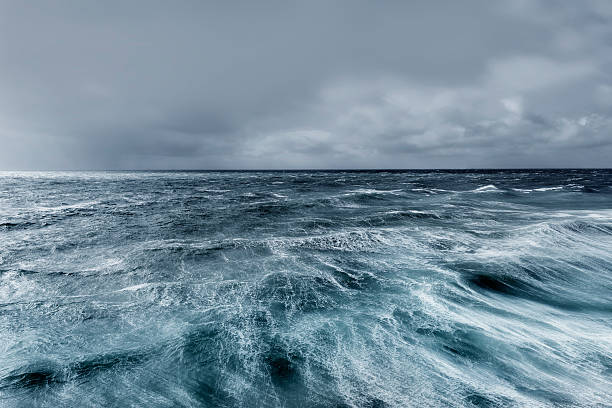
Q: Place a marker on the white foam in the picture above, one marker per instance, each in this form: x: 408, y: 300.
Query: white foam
x: 549, y: 188
x: 372, y: 191
x: 134, y: 288
x: 84, y: 204
x: 487, y: 188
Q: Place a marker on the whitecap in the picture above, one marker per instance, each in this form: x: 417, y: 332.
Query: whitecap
x: 485, y: 189
x: 549, y: 188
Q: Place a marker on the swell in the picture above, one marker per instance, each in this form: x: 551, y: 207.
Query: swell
x: 43, y: 373
x: 559, y: 264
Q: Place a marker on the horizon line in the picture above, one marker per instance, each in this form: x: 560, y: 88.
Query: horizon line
x: 313, y: 169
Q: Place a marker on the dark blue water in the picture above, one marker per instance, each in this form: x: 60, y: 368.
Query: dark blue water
x: 306, y: 289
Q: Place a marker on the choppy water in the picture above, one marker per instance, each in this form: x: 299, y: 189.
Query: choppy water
x: 306, y: 289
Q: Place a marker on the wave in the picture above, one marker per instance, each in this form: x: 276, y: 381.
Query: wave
x: 44, y: 373
x: 486, y: 189
x: 541, y: 189
x: 16, y: 225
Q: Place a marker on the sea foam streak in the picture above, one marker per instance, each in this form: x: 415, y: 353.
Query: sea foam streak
x: 306, y: 289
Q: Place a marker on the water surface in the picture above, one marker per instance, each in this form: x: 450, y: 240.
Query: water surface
x: 306, y: 289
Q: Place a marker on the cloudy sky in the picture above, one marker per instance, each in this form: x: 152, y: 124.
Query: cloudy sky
x: 309, y: 84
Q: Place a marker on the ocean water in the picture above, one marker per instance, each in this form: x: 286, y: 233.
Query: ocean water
x: 306, y: 289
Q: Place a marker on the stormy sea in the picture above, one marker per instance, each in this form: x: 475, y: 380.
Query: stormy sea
x: 306, y: 289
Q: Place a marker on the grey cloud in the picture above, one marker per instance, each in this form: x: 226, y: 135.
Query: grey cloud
x: 305, y: 84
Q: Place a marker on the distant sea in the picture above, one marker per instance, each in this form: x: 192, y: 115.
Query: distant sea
x: 306, y: 289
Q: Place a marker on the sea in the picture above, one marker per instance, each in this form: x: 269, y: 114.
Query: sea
x: 415, y: 288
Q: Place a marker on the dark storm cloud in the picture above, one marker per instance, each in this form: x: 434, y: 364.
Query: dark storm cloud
x: 305, y: 84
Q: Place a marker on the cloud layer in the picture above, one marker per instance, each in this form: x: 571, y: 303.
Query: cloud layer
x: 305, y: 84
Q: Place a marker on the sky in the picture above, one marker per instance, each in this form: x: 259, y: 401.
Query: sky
x: 309, y: 84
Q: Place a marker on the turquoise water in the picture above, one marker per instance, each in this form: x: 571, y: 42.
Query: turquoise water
x: 306, y: 289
